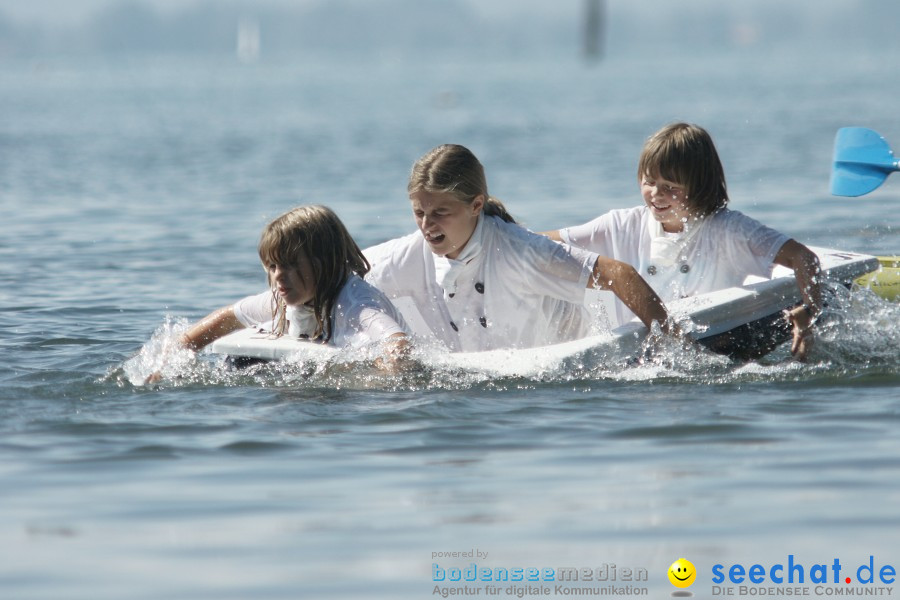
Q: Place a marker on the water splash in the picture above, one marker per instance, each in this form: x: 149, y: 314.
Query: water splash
x: 163, y: 354
x: 858, y: 336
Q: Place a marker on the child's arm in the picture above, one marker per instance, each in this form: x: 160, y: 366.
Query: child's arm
x: 210, y: 328
x: 805, y: 265
x: 207, y: 330
x: 626, y: 283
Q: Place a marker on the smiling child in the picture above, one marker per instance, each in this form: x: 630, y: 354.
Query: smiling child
x: 685, y: 241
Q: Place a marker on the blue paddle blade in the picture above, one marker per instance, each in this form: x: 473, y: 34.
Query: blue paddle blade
x: 862, y: 161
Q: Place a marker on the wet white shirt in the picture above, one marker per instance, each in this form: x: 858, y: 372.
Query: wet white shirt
x: 720, y: 252
x: 362, y: 315
x: 519, y: 290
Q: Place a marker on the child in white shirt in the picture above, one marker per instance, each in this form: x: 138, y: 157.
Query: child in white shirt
x: 474, y: 280
x: 685, y: 241
x: 315, y: 272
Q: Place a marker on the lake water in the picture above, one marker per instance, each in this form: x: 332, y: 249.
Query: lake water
x: 132, y: 194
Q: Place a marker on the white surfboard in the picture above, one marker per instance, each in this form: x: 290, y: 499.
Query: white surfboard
x: 743, y: 322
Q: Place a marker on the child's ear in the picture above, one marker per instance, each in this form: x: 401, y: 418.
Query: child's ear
x: 477, y: 204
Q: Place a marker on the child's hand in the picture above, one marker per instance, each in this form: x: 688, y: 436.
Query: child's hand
x: 801, y: 321
x: 396, y: 358
x: 183, y: 342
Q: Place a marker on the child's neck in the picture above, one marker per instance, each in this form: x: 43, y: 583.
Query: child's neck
x: 673, y: 228
x: 680, y: 226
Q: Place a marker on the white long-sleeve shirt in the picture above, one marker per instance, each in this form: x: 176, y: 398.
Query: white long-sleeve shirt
x: 521, y: 290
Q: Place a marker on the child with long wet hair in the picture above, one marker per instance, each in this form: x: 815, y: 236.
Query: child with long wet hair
x: 314, y: 235
x: 685, y: 241
x: 316, y: 290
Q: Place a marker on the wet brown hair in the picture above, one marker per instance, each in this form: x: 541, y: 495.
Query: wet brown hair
x: 316, y: 233
x: 685, y: 154
x: 453, y: 169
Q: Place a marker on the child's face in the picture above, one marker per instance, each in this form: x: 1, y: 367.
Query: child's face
x: 295, y: 284
x: 446, y: 223
x: 667, y: 201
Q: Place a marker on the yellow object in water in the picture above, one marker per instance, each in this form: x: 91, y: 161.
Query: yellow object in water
x: 886, y: 280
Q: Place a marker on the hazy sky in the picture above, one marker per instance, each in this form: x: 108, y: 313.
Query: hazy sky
x: 69, y: 12
x: 63, y: 12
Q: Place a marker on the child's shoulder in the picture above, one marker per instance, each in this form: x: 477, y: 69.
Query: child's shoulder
x: 394, y: 249
x: 356, y: 287
x: 726, y: 224
x: 727, y: 218
x: 613, y: 226
x: 617, y: 217
x: 514, y: 234
x: 622, y: 218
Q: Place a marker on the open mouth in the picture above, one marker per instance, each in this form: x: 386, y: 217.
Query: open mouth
x: 434, y: 238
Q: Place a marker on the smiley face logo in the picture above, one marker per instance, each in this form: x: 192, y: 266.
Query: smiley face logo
x: 682, y: 573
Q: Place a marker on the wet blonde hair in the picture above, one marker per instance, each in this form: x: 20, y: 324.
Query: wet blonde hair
x: 685, y: 154
x: 453, y: 169
x: 316, y: 233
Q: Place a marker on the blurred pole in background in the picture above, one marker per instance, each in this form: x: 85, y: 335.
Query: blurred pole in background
x: 594, y: 29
